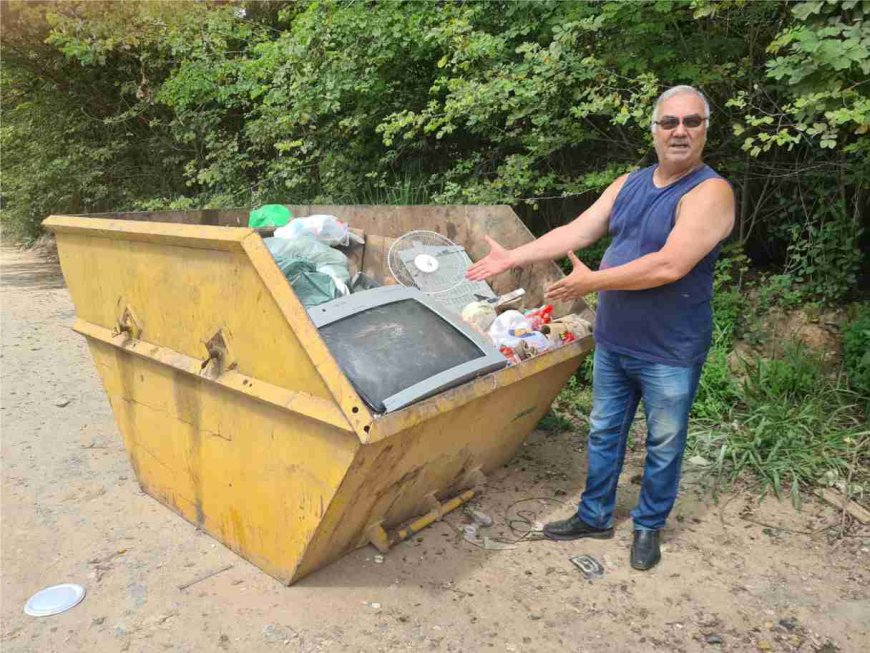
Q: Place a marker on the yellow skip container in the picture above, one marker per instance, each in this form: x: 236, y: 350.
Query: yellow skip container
x: 235, y: 414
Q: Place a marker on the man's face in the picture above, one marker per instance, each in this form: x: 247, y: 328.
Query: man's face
x: 682, y: 145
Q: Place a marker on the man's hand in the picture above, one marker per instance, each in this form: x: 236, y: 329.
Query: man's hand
x: 497, y: 261
x: 575, y: 285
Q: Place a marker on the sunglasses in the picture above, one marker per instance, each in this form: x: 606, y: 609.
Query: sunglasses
x: 671, y: 122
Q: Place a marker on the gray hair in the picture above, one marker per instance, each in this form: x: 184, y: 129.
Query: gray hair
x: 679, y: 90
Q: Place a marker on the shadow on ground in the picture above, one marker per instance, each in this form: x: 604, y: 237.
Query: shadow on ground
x: 43, y: 274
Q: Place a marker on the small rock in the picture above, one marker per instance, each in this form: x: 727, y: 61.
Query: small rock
x: 379, y: 559
x: 375, y: 606
x: 714, y: 639
x: 480, y: 518
x: 698, y: 461
x: 61, y: 402
x: 764, y: 645
x: 560, y: 492
x: 535, y: 615
x: 98, y: 621
x: 274, y: 633
x: 789, y: 624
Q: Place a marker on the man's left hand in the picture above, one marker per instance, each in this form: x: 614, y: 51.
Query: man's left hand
x: 575, y: 285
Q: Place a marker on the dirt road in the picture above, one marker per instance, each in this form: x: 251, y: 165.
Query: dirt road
x: 72, y: 512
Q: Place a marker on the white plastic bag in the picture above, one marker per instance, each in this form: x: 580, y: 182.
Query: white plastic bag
x: 508, y: 321
x: 479, y: 314
x: 327, y: 229
x: 534, y: 342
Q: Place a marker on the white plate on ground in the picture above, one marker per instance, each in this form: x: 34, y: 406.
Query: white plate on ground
x: 54, y: 600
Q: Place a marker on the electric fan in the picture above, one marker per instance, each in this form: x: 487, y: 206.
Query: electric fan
x: 436, y: 265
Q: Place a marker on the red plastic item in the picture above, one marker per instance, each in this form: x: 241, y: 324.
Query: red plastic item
x: 510, y: 354
x: 540, y: 316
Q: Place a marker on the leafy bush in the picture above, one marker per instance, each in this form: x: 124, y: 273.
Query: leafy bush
x: 778, y: 290
x: 856, y: 353
x: 823, y: 258
x: 717, y: 389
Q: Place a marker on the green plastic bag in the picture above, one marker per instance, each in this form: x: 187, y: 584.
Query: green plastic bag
x: 270, y: 215
x: 323, y: 257
x: 312, y: 287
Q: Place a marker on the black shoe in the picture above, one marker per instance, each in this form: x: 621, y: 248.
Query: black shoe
x: 574, y: 528
x: 645, y: 552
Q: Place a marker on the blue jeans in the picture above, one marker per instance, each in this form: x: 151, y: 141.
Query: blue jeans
x: 619, y: 382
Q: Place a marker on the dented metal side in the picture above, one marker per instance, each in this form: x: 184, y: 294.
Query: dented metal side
x: 437, y: 456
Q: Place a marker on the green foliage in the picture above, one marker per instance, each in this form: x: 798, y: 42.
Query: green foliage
x: 113, y: 106
x: 778, y: 290
x: 820, y: 61
x: 717, y: 389
x: 856, y: 353
x: 823, y: 256
x: 794, y: 423
x: 575, y: 400
x: 78, y: 130
x: 555, y: 422
x: 786, y: 420
x: 790, y: 379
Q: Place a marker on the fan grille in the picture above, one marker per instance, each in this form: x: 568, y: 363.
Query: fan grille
x: 410, y: 261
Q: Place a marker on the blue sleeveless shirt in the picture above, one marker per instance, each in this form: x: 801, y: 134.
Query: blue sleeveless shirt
x: 671, y: 324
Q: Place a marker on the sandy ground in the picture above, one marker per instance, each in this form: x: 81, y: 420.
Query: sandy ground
x: 73, y: 512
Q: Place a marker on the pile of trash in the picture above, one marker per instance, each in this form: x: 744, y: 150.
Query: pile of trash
x: 305, y: 251
x: 522, y: 335
x: 308, y: 252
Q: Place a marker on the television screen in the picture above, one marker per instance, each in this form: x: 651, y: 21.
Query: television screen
x: 396, y: 348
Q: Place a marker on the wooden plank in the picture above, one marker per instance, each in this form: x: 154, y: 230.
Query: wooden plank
x: 837, y: 500
x: 375, y: 263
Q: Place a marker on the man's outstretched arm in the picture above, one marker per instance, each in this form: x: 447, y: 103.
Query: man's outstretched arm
x: 705, y: 218
x: 582, y: 232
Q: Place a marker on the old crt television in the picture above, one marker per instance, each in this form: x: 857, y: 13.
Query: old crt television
x: 397, y: 346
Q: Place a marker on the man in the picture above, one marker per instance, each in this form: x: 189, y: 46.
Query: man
x: 654, y: 317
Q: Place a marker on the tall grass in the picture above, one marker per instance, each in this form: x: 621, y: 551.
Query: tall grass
x: 856, y: 352
x: 403, y: 190
x: 794, y: 423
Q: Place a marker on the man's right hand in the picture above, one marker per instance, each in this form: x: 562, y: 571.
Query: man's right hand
x: 497, y: 261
